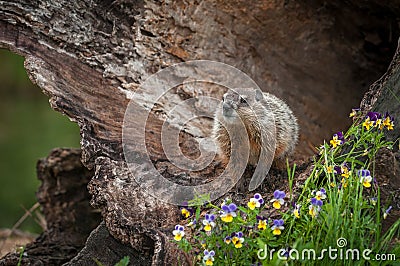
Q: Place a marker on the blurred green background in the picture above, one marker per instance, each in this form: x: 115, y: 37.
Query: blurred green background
x: 29, y: 129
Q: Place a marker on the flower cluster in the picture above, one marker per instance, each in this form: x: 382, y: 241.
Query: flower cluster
x: 235, y: 238
x: 320, y: 194
x: 249, y: 219
x: 229, y: 233
x: 375, y: 119
x: 344, y: 171
x: 315, y: 207
x: 316, y: 202
x: 227, y: 214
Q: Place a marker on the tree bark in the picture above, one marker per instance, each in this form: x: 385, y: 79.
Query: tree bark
x: 89, y: 57
x: 65, y: 204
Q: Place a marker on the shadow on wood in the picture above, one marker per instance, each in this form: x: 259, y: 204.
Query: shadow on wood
x: 89, y: 57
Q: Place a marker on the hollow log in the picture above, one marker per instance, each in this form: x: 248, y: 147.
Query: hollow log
x: 65, y: 204
x: 92, y: 57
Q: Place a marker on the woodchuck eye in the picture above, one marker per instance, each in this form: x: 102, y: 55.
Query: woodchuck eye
x: 243, y: 101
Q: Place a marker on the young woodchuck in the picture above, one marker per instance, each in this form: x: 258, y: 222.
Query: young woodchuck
x: 269, y: 124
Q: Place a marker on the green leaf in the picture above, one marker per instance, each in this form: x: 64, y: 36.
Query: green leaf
x: 123, y: 262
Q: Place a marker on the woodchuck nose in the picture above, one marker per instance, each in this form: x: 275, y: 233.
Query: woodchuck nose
x: 261, y: 114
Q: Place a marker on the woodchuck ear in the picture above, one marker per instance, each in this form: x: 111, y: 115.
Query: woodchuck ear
x: 259, y: 95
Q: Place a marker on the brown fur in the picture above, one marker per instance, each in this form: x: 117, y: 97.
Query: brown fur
x: 256, y: 112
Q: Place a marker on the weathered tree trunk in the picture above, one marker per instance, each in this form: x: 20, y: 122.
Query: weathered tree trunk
x: 65, y: 205
x: 90, y: 56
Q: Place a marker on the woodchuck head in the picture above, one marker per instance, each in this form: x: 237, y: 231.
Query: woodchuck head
x: 240, y: 103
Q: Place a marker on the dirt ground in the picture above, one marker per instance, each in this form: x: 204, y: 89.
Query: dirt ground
x: 12, y: 241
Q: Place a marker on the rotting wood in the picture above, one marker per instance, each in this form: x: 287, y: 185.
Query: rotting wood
x: 90, y: 56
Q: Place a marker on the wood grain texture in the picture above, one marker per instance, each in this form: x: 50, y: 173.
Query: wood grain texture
x: 90, y: 56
